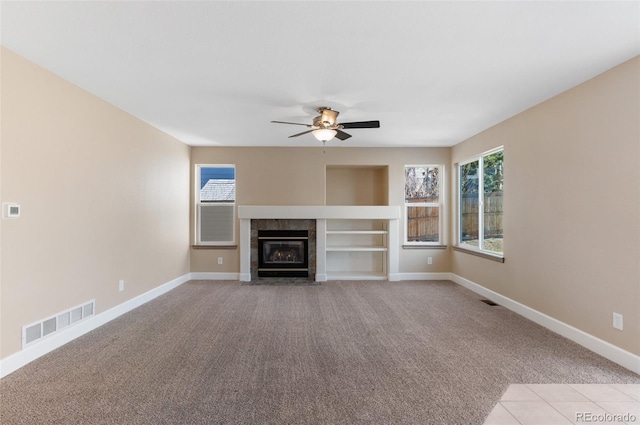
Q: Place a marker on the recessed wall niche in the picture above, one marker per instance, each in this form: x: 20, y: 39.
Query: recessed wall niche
x: 357, y: 185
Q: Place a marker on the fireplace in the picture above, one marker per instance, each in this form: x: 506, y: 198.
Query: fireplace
x: 283, y: 253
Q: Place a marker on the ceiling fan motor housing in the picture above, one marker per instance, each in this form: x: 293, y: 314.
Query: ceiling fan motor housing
x: 319, y: 122
x: 327, y: 119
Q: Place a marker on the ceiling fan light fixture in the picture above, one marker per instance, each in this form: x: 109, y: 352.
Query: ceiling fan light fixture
x: 324, y: 134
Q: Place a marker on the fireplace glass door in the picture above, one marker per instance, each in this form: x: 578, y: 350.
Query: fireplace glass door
x: 283, y: 253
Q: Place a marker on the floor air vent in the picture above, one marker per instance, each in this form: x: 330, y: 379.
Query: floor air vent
x: 489, y: 302
x: 51, y: 325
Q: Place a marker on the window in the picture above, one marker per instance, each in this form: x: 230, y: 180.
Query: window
x: 215, y: 204
x: 423, y: 204
x: 480, y: 203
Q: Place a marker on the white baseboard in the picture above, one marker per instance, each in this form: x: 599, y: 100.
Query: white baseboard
x: 597, y: 345
x: 605, y: 349
x: 214, y: 276
x: 423, y: 276
x: 21, y: 358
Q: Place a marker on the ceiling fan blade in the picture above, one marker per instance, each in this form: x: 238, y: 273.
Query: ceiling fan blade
x: 300, y: 134
x: 342, y: 135
x: 361, y: 124
x: 294, y: 123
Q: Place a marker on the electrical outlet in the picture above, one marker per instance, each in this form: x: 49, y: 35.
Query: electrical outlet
x: 219, y: 260
x: 121, y: 285
x: 617, y: 321
x: 429, y: 260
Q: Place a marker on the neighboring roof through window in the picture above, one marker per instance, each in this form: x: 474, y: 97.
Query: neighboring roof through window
x: 218, y: 190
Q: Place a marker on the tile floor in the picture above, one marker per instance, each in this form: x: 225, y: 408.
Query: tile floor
x: 551, y: 404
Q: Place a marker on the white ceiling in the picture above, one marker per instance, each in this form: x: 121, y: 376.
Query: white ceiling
x: 216, y: 73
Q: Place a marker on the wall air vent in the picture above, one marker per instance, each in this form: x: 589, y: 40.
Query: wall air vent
x: 56, y: 323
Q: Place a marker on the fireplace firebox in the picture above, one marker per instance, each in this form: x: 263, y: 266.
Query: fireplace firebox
x: 283, y: 253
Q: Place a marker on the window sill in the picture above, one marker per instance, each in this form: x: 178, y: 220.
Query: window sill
x: 492, y: 257
x: 424, y: 246
x: 214, y: 246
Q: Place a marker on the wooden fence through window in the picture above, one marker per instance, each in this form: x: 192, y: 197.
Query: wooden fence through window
x: 493, y: 210
x: 423, y: 223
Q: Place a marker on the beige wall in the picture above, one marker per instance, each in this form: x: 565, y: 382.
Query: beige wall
x: 104, y: 197
x: 572, y: 207
x: 296, y: 176
x: 357, y: 185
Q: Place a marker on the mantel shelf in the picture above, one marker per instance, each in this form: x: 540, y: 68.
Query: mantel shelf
x: 318, y: 212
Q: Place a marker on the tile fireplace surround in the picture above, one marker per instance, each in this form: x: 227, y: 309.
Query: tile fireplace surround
x: 390, y: 215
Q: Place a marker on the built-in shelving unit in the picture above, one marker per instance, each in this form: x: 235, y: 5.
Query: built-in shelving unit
x: 357, y: 249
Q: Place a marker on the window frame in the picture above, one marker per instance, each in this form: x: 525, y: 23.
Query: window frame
x: 459, y: 245
x: 198, y: 203
x: 440, y: 243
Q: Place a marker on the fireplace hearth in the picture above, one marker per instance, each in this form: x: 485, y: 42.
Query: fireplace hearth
x: 283, y: 253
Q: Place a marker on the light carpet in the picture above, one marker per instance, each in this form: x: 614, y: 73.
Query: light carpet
x: 345, y: 352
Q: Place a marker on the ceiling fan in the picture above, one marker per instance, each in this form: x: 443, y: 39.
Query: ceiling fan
x: 325, y: 127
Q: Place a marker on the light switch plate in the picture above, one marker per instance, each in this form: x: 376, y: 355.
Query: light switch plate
x: 10, y: 210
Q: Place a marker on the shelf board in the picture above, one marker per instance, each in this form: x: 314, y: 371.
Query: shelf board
x: 356, y: 275
x: 357, y: 248
x: 357, y: 232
